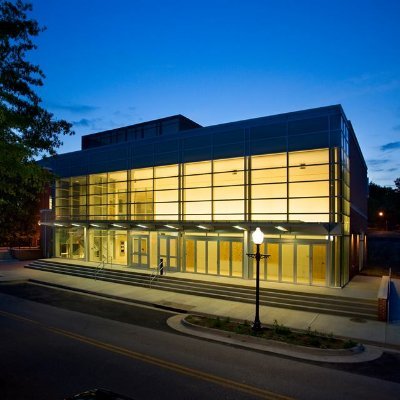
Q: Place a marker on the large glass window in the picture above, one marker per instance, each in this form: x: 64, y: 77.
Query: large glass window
x: 98, y: 196
x: 117, y: 195
x: 78, y: 198
x: 228, y: 189
x: 142, y: 194
x: 70, y: 243
x: 197, y: 191
x: 309, y: 157
x: 98, y: 246
x: 291, y: 186
x: 166, y: 193
x: 62, y: 210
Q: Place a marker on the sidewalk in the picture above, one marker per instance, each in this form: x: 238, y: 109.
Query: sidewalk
x: 364, y: 331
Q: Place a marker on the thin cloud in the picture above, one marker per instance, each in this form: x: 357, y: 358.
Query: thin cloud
x: 82, y: 122
x: 74, y: 108
x: 376, y: 163
x: 390, y: 146
x: 87, y: 123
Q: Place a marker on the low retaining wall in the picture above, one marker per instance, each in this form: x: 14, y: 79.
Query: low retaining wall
x: 383, y: 298
x: 26, y: 253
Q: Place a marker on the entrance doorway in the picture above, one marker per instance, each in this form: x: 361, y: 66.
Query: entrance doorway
x: 140, y: 251
x: 214, y: 256
x: 291, y: 262
x: 311, y: 264
x: 318, y: 264
x: 168, y: 251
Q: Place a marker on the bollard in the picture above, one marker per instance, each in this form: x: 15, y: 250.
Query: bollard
x: 161, y: 266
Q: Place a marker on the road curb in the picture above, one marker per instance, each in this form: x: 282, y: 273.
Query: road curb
x: 356, y: 354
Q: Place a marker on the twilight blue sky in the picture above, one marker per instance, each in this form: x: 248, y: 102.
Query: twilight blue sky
x: 115, y: 63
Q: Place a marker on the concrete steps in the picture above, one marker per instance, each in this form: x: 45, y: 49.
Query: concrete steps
x: 325, y: 304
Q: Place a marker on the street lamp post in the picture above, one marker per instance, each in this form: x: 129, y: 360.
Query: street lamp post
x: 382, y: 215
x: 258, y: 238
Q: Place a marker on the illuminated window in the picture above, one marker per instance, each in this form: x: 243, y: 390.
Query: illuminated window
x: 202, y: 167
x: 142, y: 194
x: 230, y: 164
x: 309, y: 157
x: 269, y: 161
x: 193, y: 181
x: 167, y: 170
x: 309, y: 173
x: 269, y: 191
x: 309, y: 189
x: 269, y: 176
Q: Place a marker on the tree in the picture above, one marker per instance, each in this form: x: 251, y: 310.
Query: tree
x: 384, y: 200
x: 27, y: 131
x: 397, y: 184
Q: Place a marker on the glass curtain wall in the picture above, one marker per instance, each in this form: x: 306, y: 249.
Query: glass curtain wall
x: 108, y: 196
x: 300, y: 186
x: 228, y: 189
x: 269, y: 187
x: 285, y: 187
x: 166, y: 193
x: 117, y: 188
x: 142, y: 198
x: 197, y: 194
x: 291, y: 186
x: 70, y: 199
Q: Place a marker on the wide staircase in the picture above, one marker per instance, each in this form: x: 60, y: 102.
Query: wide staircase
x: 320, y: 303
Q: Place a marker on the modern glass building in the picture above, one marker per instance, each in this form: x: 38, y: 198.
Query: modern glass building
x: 190, y: 195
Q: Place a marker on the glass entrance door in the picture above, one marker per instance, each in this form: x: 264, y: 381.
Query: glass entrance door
x: 319, y: 264
x: 301, y: 262
x: 168, y: 251
x: 215, y: 256
x: 140, y: 251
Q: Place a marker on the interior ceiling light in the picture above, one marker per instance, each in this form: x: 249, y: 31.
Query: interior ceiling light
x: 239, y: 227
x: 281, y: 228
x: 75, y: 224
x: 170, y: 226
x: 97, y: 226
x: 55, y: 223
x: 118, y: 226
x: 202, y: 227
x: 141, y: 226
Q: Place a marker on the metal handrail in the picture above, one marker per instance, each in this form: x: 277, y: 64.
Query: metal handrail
x: 156, y: 273
x: 100, y: 267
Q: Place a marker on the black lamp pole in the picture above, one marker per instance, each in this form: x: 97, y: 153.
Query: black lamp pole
x: 257, y: 323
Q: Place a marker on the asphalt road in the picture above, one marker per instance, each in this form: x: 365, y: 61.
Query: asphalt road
x: 62, y: 343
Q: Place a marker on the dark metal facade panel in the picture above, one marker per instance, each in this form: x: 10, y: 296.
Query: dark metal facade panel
x: 301, y: 130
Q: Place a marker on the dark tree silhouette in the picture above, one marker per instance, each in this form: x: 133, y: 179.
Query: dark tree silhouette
x: 383, y: 207
x: 27, y: 131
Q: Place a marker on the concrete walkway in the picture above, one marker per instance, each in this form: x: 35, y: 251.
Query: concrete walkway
x: 364, y: 331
